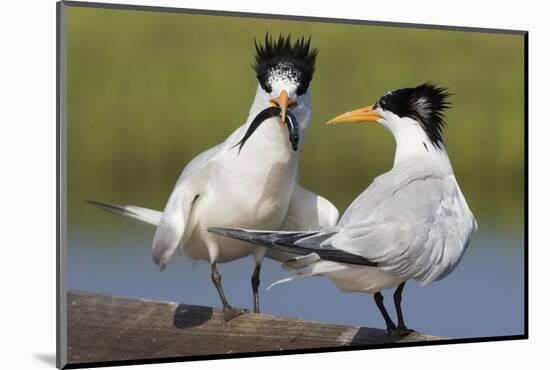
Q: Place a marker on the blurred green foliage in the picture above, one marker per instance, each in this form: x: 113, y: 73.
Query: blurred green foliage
x: 147, y: 91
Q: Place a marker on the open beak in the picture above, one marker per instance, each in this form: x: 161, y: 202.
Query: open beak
x: 284, y: 103
x: 366, y: 114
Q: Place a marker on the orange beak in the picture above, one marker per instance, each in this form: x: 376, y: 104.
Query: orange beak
x: 366, y: 114
x: 285, y: 103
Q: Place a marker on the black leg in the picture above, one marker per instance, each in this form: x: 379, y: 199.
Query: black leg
x: 228, y: 311
x: 379, y: 299
x: 401, y: 328
x: 255, y: 285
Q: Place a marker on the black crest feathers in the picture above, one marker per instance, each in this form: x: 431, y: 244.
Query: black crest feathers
x: 297, y: 59
x: 425, y: 103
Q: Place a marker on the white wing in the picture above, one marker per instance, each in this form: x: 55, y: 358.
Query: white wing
x: 309, y: 211
x: 306, y: 211
x: 174, y: 229
x: 171, y: 230
x: 200, y: 161
x: 417, y: 228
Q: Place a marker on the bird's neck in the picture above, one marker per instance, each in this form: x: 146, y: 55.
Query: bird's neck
x: 412, y: 144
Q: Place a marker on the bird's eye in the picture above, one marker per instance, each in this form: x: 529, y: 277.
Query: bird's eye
x: 265, y: 85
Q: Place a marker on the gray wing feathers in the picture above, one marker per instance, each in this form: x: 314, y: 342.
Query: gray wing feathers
x: 431, y: 210
x: 298, y: 243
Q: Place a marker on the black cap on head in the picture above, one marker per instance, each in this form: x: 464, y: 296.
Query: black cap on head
x: 294, y: 61
x: 425, y: 103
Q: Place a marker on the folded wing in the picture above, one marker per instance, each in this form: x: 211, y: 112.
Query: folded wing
x: 419, y: 230
x: 174, y: 227
x: 309, y: 211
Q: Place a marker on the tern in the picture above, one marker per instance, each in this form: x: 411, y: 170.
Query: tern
x: 412, y: 222
x: 253, y: 185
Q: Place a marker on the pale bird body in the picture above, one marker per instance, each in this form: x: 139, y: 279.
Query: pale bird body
x: 412, y: 222
x: 253, y: 185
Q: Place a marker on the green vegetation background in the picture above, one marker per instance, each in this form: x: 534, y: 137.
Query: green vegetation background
x: 148, y: 91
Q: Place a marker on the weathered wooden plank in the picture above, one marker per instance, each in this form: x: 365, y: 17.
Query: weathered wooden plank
x: 105, y: 328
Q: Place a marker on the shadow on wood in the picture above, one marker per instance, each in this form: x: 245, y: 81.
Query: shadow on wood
x: 104, y: 328
x: 187, y: 316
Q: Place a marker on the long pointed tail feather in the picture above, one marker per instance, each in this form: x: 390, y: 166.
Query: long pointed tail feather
x: 146, y: 215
